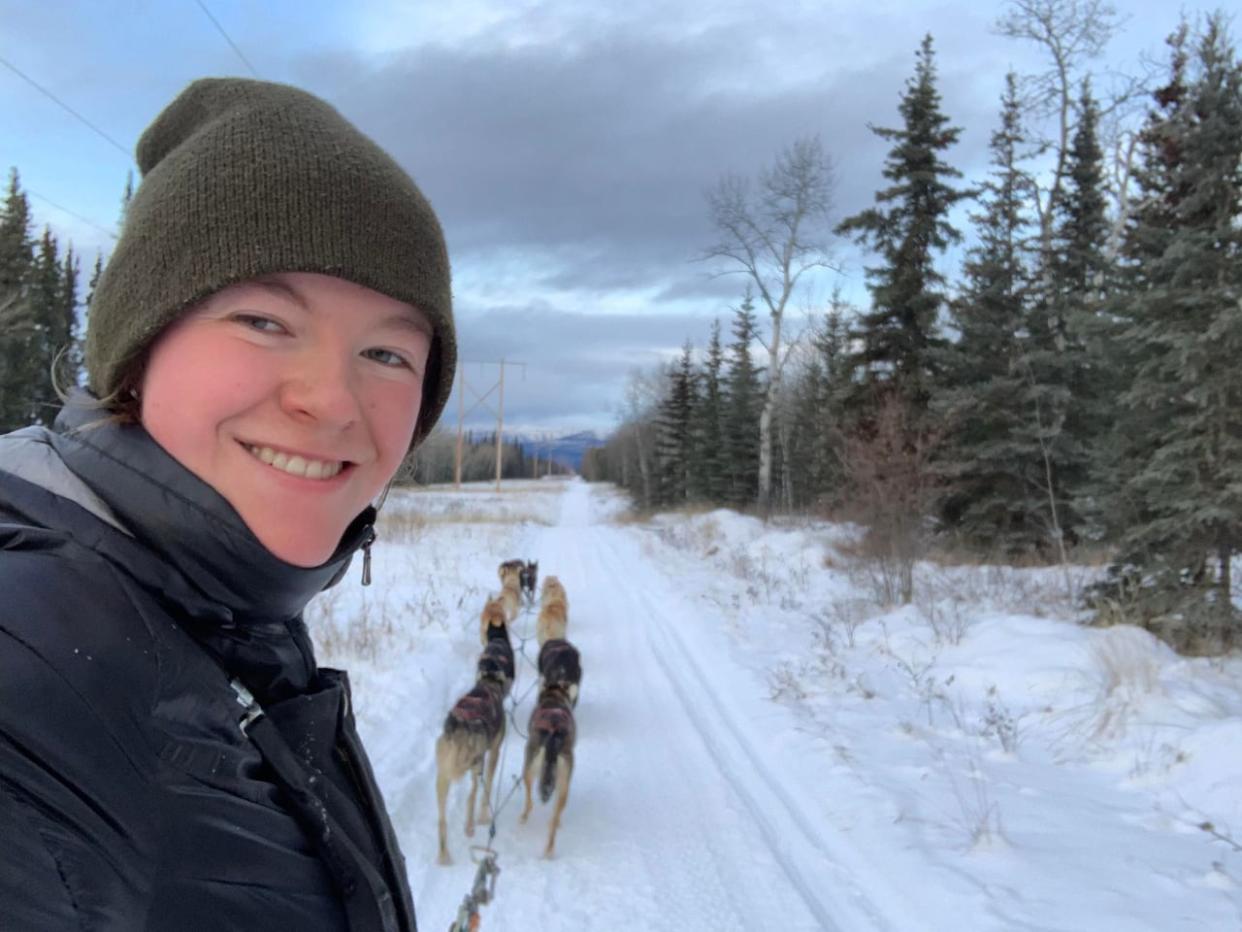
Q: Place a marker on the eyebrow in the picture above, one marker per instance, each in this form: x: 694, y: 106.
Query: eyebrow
x: 414, y: 319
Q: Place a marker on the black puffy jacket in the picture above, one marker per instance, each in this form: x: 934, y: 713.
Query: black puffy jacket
x: 140, y: 788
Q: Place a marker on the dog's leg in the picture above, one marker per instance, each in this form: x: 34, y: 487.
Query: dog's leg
x: 493, y: 758
x: 442, y: 788
x: 474, y: 789
x: 528, y: 777
x: 564, y: 771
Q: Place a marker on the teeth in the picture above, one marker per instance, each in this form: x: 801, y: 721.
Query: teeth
x: 296, y: 465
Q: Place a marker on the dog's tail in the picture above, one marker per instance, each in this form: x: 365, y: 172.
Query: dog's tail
x: 551, y: 750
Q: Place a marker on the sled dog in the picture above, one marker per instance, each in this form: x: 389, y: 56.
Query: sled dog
x: 511, y: 588
x: 529, y: 574
x: 492, y: 616
x: 473, y: 732
x: 550, y: 755
x: 496, y: 660
x: 560, y: 665
x: 553, y: 611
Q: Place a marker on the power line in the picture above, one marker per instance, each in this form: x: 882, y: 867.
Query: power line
x: 92, y: 223
x: 231, y: 43
x: 42, y: 90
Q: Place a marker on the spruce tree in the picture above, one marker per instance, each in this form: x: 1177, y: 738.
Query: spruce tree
x: 17, y: 320
x: 675, y: 422
x: 710, y: 463
x: 47, y: 336
x: 744, y: 399
x: 69, y: 364
x: 908, y: 227
x: 1179, y: 462
x: 991, y: 458
x: 1067, y: 383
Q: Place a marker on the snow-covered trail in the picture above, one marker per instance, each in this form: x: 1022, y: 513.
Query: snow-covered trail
x: 677, y: 818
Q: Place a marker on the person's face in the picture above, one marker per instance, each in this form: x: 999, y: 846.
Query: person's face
x: 295, y: 397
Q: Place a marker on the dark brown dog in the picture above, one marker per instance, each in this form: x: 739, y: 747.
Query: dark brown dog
x: 550, y: 753
x: 560, y: 665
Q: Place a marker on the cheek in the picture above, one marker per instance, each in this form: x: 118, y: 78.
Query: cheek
x: 393, y: 414
x: 190, y: 385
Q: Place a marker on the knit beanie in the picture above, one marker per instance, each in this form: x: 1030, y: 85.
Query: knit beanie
x: 246, y: 178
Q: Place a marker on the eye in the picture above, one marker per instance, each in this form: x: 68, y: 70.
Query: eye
x: 260, y: 323
x: 387, y: 358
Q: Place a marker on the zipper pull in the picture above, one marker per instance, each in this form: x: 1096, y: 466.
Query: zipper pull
x: 366, y: 554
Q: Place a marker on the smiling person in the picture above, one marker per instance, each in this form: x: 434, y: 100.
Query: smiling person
x: 272, y: 335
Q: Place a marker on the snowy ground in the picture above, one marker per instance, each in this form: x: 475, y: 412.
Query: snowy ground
x: 762, y: 746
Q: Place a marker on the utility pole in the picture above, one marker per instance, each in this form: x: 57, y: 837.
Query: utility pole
x: 500, y: 421
x: 463, y: 412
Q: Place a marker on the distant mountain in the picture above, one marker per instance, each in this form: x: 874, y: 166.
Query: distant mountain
x: 568, y: 449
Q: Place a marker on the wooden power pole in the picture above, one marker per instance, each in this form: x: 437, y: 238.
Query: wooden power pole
x: 462, y: 412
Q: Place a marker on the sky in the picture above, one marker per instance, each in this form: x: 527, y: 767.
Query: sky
x: 761, y: 745
x: 567, y: 147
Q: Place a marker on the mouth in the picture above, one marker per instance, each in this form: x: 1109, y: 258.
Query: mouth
x: 294, y: 464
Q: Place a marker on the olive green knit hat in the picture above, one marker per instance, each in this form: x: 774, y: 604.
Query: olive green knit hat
x: 246, y: 178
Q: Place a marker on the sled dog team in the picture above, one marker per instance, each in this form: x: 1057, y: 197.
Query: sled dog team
x: 475, y: 727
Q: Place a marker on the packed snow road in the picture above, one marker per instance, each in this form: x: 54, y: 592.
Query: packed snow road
x: 679, y: 818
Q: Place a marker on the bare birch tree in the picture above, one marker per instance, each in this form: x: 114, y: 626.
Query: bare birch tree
x: 774, y: 233
x: 1072, y: 33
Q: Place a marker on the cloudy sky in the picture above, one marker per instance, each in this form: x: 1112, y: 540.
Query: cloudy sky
x: 566, y: 145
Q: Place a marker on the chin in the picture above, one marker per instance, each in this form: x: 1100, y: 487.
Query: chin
x: 299, y: 551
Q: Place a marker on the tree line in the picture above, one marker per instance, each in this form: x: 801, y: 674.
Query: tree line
x: 39, y: 311
x: 1073, y: 387
x: 434, y: 462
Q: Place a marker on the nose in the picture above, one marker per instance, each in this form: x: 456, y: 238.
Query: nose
x: 319, y: 387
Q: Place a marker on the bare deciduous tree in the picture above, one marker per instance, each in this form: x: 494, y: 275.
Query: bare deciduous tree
x: 1071, y: 32
x: 774, y: 234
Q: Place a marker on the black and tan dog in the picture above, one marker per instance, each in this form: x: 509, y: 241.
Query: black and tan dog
x: 497, y: 656
x: 473, y: 733
x: 530, y: 575
x: 560, y: 665
x: 550, y: 755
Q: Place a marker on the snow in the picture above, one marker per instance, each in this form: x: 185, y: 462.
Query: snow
x: 761, y: 745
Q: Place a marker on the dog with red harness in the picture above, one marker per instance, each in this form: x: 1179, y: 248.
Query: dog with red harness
x: 470, y: 742
x: 550, y: 754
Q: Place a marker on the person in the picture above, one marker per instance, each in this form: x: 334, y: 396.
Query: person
x: 271, y: 335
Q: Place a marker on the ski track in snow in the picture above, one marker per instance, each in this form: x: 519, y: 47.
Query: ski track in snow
x: 676, y: 820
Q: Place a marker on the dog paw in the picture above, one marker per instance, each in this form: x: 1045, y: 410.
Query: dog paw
x: 444, y: 859
x: 469, y: 831
x: 523, y: 817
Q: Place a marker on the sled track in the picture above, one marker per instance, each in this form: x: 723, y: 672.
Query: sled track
x: 735, y: 756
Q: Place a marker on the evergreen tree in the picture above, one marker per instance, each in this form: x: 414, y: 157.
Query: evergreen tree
x: 69, y: 364
x: 991, y: 458
x: 1066, y: 368
x: 908, y: 227
x: 817, y: 414
x: 1179, y: 442
x: 46, y: 337
x: 16, y: 314
x: 744, y: 400
x: 710, y: 465
x: 675, y: 422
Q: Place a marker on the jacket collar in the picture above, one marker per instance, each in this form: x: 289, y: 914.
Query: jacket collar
x: 187, y: 524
